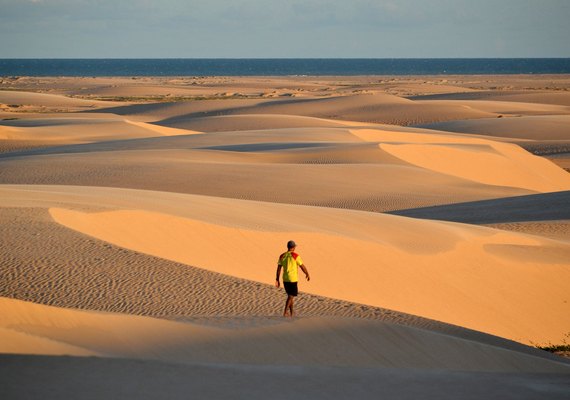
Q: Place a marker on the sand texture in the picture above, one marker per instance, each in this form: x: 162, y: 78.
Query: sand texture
x: 141, y: 220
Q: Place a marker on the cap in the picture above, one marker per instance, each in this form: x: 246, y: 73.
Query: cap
x: 291, y: 244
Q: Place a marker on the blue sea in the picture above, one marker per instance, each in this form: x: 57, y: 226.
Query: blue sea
x: 282, y: 67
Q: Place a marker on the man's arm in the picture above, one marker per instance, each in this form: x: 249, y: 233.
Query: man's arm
x: 304, y: 268
x: 277, y: 275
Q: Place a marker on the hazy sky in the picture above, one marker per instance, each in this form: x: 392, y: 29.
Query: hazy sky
x: 284, y: 28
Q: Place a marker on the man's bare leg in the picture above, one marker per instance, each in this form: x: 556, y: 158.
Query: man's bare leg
x: 286, y: 311
x: 288, y: 306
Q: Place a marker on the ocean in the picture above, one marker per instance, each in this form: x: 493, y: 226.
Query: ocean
x: 282, y: 67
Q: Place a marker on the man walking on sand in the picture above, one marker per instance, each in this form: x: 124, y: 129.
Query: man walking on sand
x: 290, y: 262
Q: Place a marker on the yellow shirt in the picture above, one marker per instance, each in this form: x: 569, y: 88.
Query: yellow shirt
x: 290, y: 262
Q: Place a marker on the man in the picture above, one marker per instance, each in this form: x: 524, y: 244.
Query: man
x: 290, y: 262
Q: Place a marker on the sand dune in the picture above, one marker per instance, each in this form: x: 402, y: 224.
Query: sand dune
x: 392, y: 257
x: 562, y: 160
x: 537, y: 207
x: 535, y: 97
x: 144, y: 235
x: 157, y: 111
x: 377, y: 108
x: 384, y: 259
x: 70, y: 129
x: 477, y: 160
x: 321, y: 182
x: 359, y: 168
x: 47, y: 100
x: 556, y: 229
x: 369, y: 108
x: 551, y: 127
x: 504, y: 108
x: 95, y: 275
x: 15, y: 341
x: 256, y: 122
x: 356, y: 343
x: 89, y: 377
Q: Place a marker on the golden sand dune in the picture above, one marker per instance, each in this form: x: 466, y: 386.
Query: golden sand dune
x: 64, y: 129
x: 321, y: 181
x: 259, y: 122
x: 390, y: 257
x: 96, y: 275
x: 373, y: 107
x: 377, y: 108
x: 499, y: 164
x: 546, y: 135
x: 386, y: 263
x: 356, y: 343
x: 99, y: 275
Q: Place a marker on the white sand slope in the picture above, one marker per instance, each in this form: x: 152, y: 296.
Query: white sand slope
x: 317, y: 342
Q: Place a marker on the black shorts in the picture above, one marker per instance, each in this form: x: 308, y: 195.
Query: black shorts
x: 291, y: 288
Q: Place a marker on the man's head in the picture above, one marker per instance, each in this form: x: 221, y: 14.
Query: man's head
x: 291, y: 245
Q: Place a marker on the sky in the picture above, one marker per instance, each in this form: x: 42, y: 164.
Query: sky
x: 284, y: 28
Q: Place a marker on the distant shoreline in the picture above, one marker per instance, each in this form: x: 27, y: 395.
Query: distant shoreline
x: 282, y: 67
